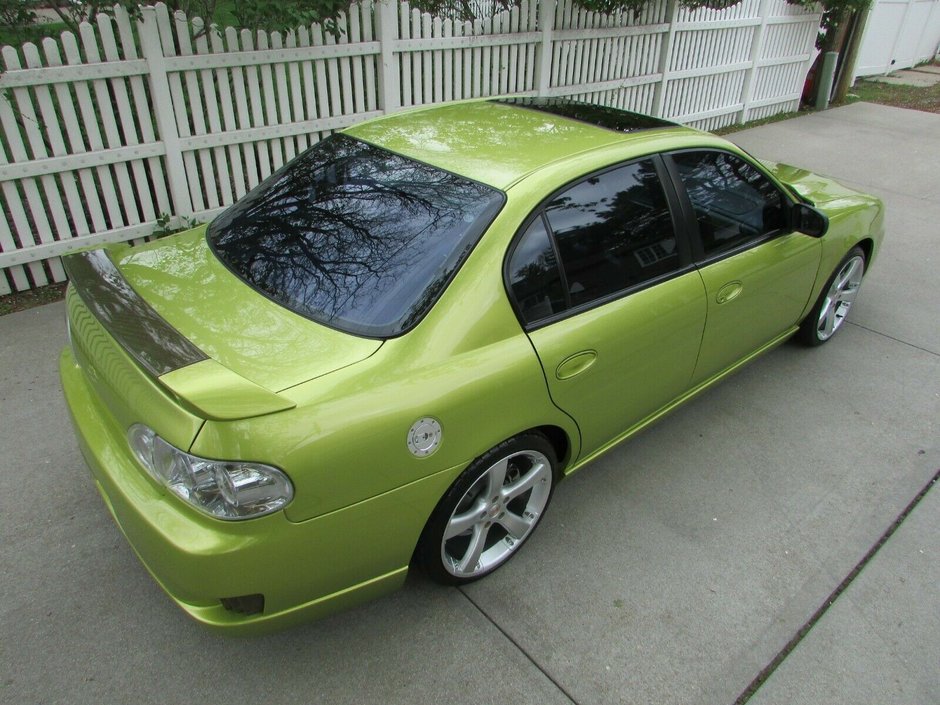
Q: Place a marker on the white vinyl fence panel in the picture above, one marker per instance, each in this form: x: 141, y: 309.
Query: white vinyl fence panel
x: 898, y: 35
x: 106, y: 136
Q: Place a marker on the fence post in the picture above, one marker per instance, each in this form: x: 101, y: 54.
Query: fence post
x: 543, y: 62
x: 389, y: 78
x: 152, y: 50
x: 757, y: 46
x: 665, y: 55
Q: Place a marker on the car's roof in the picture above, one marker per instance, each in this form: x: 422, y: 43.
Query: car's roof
x: 498, y: 142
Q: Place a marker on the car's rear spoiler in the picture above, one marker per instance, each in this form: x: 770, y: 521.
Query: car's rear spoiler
x: 213, y: 390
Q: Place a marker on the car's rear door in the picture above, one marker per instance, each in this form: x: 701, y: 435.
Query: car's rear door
x: 758, y: 274
x: 614, y: 308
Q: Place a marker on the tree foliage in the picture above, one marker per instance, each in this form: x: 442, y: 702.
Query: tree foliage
x: 836, y: 14
x: 18, y: 17
x: 15, y: 13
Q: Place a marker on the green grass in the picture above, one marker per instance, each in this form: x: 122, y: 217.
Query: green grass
x: 35, y: 33
x: 912, y: 97
x: 756, y: 123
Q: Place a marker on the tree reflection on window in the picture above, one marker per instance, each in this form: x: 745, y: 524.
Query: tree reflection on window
x: 614, y: 231
x: 734, y: 203
x: 354, y: 236
x: 611, y: 231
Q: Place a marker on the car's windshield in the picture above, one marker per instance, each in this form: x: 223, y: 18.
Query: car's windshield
x: 354, y: 236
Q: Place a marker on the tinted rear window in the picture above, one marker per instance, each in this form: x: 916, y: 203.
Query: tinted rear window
x: 354, y: 236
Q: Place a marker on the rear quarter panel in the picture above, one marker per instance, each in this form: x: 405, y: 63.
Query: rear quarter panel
x: 468, y: 364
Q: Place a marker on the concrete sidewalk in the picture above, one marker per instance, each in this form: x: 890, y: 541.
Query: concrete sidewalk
x: 920, y: 76
x: 675, y: 569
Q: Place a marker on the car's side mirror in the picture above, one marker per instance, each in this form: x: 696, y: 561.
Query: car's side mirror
x: 809, y: 220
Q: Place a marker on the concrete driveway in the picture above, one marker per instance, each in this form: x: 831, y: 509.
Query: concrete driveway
x: 693, y: 565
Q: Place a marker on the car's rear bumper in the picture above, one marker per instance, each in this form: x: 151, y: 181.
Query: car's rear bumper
x: 304, y: 570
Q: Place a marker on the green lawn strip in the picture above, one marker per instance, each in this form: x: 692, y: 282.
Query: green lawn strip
x: 911, y: 97
x: 757, y: 123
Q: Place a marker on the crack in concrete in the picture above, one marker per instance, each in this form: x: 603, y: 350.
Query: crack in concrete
x: 788, y: 648
x: 521, y: 648
x: 897, y: 340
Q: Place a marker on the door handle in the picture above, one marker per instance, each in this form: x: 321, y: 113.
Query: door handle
x: 729, y: 292
x: 575, y: 364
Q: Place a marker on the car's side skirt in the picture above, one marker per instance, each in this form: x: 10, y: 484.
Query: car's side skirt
x: 680, y: 400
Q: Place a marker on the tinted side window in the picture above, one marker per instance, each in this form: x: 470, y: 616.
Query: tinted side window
x: 534, y: 275
x: 613, y: 231
x: 734, y: 203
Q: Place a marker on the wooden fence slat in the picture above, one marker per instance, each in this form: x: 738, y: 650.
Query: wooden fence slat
x: 449, y: 78
x: 404, y: 32
x: 208, y: 79
x: 128, y: 125
x: 354, y: 36
x: 306, y: 68
x: 153, y: 173
x: 223, y: 80
x: 333, y: 72
x: 51, y: 119
x: 283, y: 99
x: 127, y: 203
x: 76, y: 141
x: 438, y: 32
x: 17, y: 274
x: 298, y: 106
x: 345, y: 66
x: 463, y: 62
x: 247, y: 176
x: 270, y: 102
x: 89, y: 119
x: 486, y: 55
x: 369, y: 61
x: 64, y: 229
x: 323, y: 93
x: 264, y: 159
x: 48, y: 200
x: 197, y: 112
x: 22, y: 222
x: 178, y: 105
x: 417, y: 69
x: 501, y: 78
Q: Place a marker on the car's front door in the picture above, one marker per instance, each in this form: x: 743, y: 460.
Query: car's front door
x: 610, y: 300
x: 758, y: 274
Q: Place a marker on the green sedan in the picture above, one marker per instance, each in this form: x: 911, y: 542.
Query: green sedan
x: 390, y: 352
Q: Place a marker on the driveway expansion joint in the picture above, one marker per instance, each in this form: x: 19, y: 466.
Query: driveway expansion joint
x: 520, y: 647
x: 788, y: 648
x: 897, y: 340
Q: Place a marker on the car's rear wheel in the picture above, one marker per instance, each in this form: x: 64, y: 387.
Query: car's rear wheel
x: 836, y: 300
x: 490, y: 511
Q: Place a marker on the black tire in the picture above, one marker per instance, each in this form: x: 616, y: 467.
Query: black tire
x: 495, y: 530
x: 835, y: 300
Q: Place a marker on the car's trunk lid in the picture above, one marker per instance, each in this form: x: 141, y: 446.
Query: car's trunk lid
x: 165, y: 315
x: 231, y: 323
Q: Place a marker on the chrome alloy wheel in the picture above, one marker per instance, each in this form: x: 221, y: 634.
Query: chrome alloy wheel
x: 496, y: 514
x: 840, y: 297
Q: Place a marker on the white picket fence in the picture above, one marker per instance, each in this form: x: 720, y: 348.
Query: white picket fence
x: 105, y: 133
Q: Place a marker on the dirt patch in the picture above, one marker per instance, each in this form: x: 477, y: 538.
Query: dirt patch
x: 34, y: 297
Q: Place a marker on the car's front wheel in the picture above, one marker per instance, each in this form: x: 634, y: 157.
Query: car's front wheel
x: 489, y: 512
x: 837, y: 298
